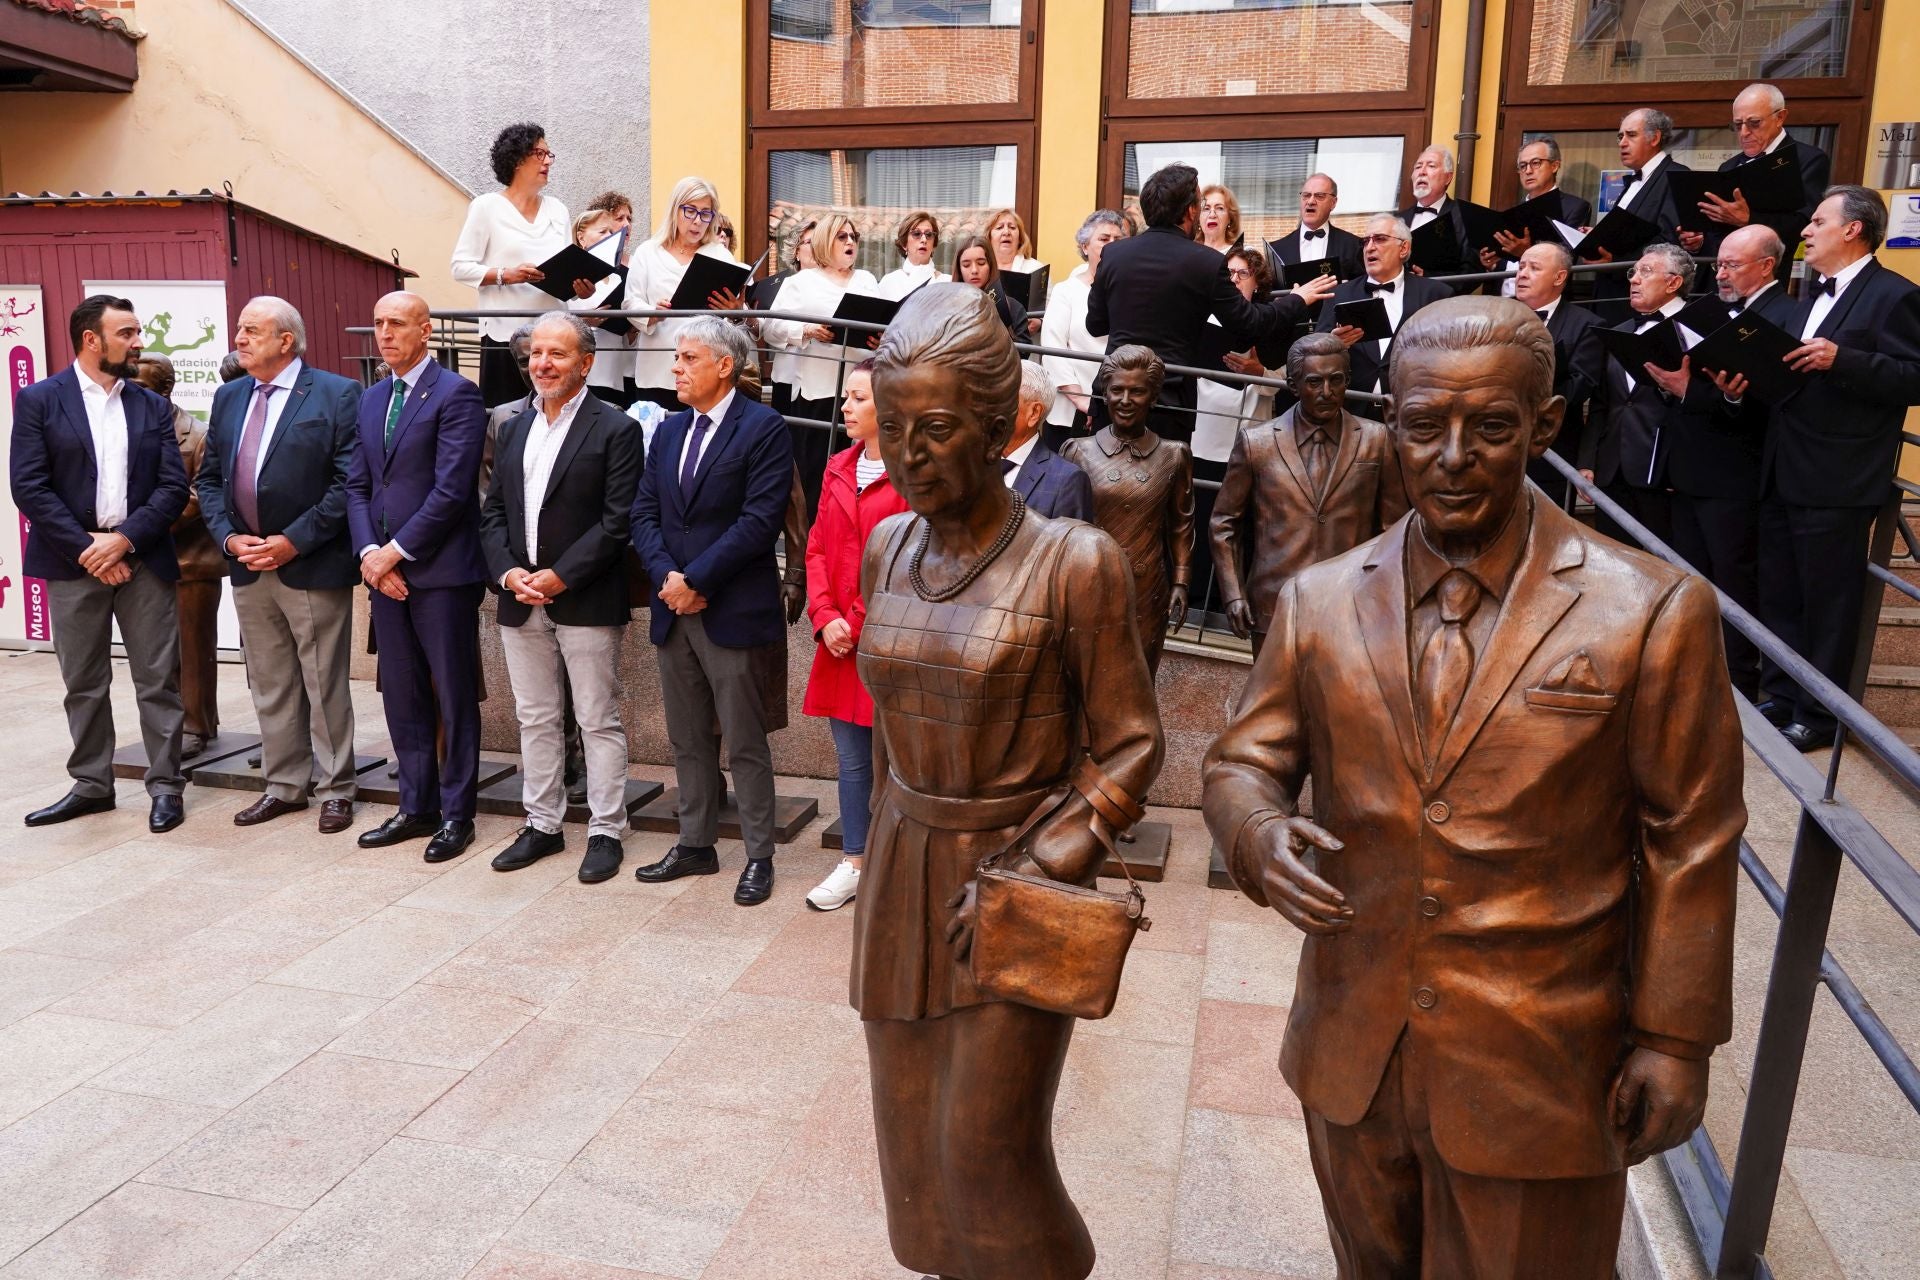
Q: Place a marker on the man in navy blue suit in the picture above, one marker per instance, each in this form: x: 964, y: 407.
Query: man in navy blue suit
x: 413, y: 511
x: 1052, y: 486
x: 96, y: 470
x: 273, y: 491
x: 712, y: 503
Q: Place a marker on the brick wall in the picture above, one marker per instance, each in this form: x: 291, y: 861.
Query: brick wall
x: 1311, y: 49
x: 894, y: 67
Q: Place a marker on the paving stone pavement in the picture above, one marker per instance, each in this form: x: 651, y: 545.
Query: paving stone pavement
x: 269, y: 1054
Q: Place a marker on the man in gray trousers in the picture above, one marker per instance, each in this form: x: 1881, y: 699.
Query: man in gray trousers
x: 712, y: 502
x: 97, y: 471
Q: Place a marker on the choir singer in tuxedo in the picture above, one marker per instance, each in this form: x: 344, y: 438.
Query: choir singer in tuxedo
x: 1760, y: 123
x: 1579, y: 362
x: 1387, y: 245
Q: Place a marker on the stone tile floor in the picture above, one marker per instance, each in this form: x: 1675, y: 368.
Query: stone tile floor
x: 267, y: 1053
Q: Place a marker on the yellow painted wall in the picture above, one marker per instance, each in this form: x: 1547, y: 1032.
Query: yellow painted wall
x: 218, y: 100
x: 1070, y: 57
x: 698, y: 118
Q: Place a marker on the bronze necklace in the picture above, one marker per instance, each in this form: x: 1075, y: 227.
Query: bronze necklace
x: 992, y: 553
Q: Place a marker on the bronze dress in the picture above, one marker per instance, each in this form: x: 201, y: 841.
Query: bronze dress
x: 981, y: 706
x: 1143, y: 496
x: 203, y: 568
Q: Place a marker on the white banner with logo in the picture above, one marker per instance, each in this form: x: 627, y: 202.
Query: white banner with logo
x: 23, y: 341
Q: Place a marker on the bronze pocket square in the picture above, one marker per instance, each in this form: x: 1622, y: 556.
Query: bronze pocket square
x: 1573, y: 685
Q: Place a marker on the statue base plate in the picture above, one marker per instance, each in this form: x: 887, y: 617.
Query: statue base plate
x: 790, y: 814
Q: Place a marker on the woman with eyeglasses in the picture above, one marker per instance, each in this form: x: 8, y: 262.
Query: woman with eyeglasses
x: 916, y: 239
x: 783, y: 373
x: 507, y: 234
x: 815, y: 357
x: 724, y: 233
x: 1224, y: 407
x: 973, y: 264
x: 654, y: 273
x: 1219, y: 225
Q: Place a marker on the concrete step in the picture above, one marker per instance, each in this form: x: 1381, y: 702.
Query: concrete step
x: 1897, y: 642
x: 1893, y: 693
x: 1907, y: 571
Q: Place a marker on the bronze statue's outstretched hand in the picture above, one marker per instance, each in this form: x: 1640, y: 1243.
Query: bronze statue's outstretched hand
x: 1240, y: 618
x: 1293, y: 890
x: 1658, y: 1101
x: 960, y: 928
x: 1177, y: 605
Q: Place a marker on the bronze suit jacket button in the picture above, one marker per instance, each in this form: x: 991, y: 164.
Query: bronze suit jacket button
x: 1429, y: 907
x: 1438, y: 811
x: 1425, y: 998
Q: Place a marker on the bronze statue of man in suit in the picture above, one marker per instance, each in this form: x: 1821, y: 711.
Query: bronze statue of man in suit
x: 1504, y: 999
x: 1316, y: 481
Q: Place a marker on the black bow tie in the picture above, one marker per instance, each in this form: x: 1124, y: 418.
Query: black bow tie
x: 1372, y: 287
x: 1633, y: 176
x: 1826, y: 286
x: 1541, y: 314
x: 1321, y: 234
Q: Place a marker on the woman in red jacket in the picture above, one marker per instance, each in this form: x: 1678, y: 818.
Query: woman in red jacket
x: 855, y: 495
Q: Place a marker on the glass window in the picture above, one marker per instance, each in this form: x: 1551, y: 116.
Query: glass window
x: 1590, y: 159
x: 959, y: 185
x: 1265, y: 176
x: 832, y: 54
x: 1637, y: 41
x: 1244, y: 48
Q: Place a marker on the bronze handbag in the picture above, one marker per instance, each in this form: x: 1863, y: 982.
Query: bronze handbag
x: 1052, y: 945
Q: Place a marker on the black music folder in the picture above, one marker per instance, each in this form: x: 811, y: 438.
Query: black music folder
x: 1215, y: 343
x: 1293, y: 274
x: 1771, y: 183
x: 1704, y: 314
x: 867, y: 308
x: 1535, y: 218
x: 1623, y: 233
x: 1750, y: 345
x: 572, y: 263
x: 1659, y: 346
x: 708, y: 274
x: 1436, y: 250
x: 1368, y: 315
x: 1028, y: 288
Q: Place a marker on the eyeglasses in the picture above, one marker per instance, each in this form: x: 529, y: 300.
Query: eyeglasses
x: 1379, y: 238
x: 1728, y: 265
x: 921, y: 233
x: 1239, y: 273
x: 1525, y: 166
x: 848, y: 237
x: 695, y: 213
x: 1650, y: 273
x: 541, y: 153
x: 1752, y: 123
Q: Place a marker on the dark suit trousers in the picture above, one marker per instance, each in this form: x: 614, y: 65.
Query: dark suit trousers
x: 429, y: 679
x: 1812, y: 585
x: 84, y: 611
x: 1651, y: 507
x: 1397, y: 1211
x: 1720, y: 537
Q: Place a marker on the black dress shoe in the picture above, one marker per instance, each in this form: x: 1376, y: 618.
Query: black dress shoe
x: 450, y: 841
x: 756, y: 883
x: 167, y: 813
x: 531, y: 845
x: 1804, y: 738
x: 1776, y: 713
x: 680, y: 861
x: 603, y: 859
x: 399, y: 829
x: 68, y: 807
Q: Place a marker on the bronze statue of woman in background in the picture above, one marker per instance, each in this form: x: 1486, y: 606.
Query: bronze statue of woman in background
x: 1142, y: 492
x: 1002, y: 657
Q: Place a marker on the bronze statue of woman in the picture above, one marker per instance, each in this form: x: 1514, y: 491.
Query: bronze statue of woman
x: 1142, y: 492
x: 1001, y: 654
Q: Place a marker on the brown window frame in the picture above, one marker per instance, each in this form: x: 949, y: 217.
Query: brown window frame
x: 1117, y: 133
x: 1862, y: 50
x: 761, y: 114
x: 1848, y: 115
x: 1116, y: 105
x: 762, y: 143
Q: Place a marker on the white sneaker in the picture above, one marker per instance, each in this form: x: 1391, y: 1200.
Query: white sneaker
x: 837, y: 889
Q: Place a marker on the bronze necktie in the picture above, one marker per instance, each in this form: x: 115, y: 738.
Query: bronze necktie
x: 1446, y: 665
x: 1315, y: 452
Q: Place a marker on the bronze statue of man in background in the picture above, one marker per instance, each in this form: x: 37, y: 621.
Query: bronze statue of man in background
x: 1316, y: 481
x: 202, y: 570
x: 1504, y: 998
x: 1142, y: 492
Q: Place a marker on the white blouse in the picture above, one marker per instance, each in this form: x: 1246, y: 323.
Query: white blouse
x: 1065, y: 326
x: 652, y: 276
x: 1021, y: 262
x: 905, y: 278
x: 1223, y: 408
x: 496, y: 237
x: 815, y: 368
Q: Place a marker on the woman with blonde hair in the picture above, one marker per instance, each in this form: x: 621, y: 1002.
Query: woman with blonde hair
x: 816, y: 358
x: 653, y: 274
x: 1219, y: 226
x: 1012, y: 246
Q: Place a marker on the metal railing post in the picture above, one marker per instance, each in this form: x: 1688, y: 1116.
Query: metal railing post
x: 1885, y: 526
x: 1780, y: 1050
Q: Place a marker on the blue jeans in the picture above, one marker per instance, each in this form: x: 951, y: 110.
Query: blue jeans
x: 853, y: 743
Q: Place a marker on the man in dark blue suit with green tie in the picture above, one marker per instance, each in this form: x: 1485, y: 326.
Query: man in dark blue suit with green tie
x: 413, y: 509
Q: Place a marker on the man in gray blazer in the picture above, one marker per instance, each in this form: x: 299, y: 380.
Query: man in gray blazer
x: 273, y: 490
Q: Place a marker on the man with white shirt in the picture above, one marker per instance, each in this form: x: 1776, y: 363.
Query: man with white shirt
x: 1579, y: 364
x: 1832, y: 448
x: 1640, y: 411
x: 1538, y: 166
x: 95, y: 468
x: 1316, y: 239
x: 1431, y: 179
x: 273, y: 491
x: 553, y: 529
x: 1052, y: 486
x: 1644, y: 137
x: 1760, y: 123
x: 1385, y: 249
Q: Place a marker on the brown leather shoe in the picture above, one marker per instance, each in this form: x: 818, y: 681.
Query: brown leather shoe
x: 335, y: 816
x: 266, y: 809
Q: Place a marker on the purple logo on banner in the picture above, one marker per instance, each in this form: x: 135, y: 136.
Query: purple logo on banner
x: 20, y: 375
